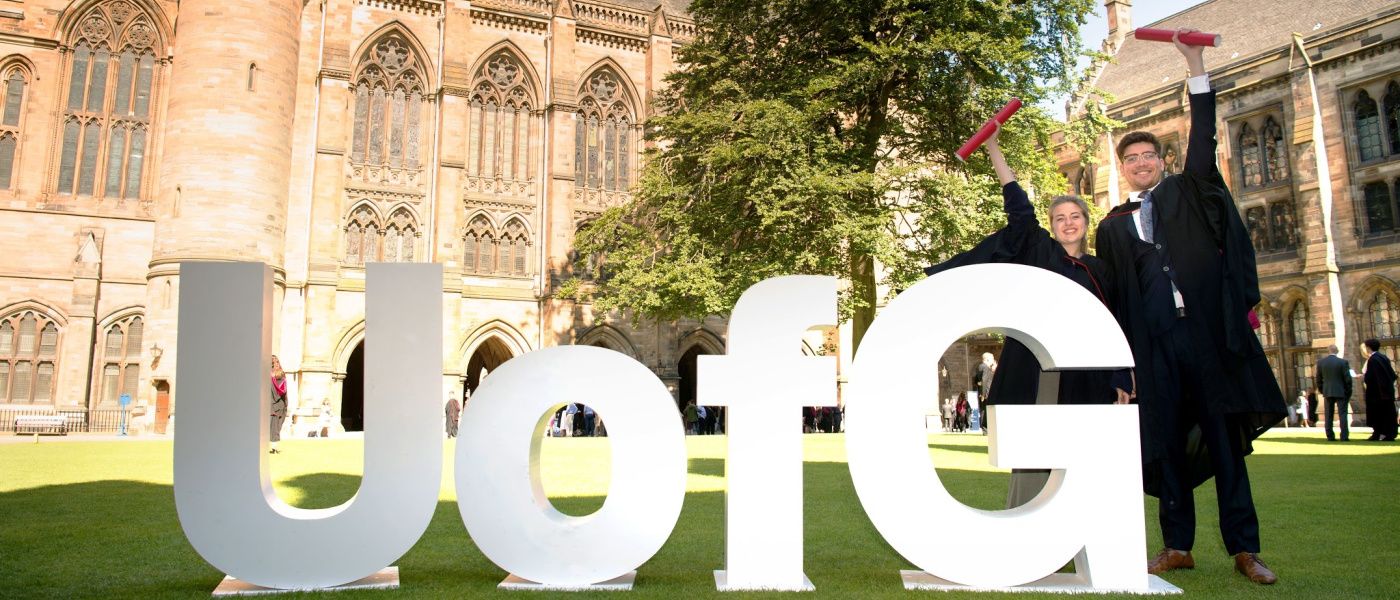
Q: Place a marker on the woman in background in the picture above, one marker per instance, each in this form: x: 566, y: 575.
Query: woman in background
x: 279, y: 406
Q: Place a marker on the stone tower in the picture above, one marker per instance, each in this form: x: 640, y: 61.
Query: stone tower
x: 224, y: 178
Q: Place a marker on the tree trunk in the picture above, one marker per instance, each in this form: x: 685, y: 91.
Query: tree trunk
x: 863, y: 291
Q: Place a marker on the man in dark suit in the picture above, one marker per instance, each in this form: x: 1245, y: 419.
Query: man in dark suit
x: 1333, y: 379
x: 1379, y: 377
x: 1185, y: 283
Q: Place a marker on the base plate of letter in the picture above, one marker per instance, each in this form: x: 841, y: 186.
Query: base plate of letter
x: 1062, y: 583
x: 620, y: 584
x: 722, y: 584
x: 386, y: 579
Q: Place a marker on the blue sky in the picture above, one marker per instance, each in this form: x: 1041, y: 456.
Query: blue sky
x: 1144, y: 12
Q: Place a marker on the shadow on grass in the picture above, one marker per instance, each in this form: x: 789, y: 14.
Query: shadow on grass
x: 1320, y: 441
x: 121, y: 539
x: 707, y: 466
x: 956, y: 448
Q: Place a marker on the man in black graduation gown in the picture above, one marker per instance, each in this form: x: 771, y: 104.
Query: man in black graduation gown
x: 1186, y: 281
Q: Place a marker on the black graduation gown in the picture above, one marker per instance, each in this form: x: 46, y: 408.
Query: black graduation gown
x: 1211, y: 259
x: 1023, y: 241
x: 1380, y: 394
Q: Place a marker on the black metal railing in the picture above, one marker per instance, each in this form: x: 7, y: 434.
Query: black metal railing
x: 96, y: 420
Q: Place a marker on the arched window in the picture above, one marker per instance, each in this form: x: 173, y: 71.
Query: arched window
x: 16, y: 83
x: 28, y: 358
x: 1300, y: 329
x: 120, y: 361
x: 1275, y: 151
x: 389, y: 106
x: 1283, y: 226
x: 479, y: 241
x: 603, y: 134
x: 1385, y: 316
x: 1368, y: 127
x: 361, y: 237
x: 108, y: 113
x: 1258, y: 224
x: 1249, y: 157
x: 400, y: 237
x: 1300, y: 353
x: 1380, y: 214
x: 499, y: 119
x: 1391, y: 106
x: 514, y: 248
x: 1268, y: 329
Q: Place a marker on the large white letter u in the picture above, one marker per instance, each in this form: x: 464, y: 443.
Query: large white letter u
x: 223, y: 493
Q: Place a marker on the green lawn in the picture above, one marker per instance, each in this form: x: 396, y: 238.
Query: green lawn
x: 97, y: 519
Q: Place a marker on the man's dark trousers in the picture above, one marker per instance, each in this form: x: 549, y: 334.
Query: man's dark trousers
x: 1239, y: 523
x: 1339, y: 405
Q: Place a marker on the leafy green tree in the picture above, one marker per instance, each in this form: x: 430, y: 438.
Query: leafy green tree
x: 817, y: 137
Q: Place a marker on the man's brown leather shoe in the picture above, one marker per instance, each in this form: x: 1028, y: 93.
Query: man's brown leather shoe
x: 1170, y: 560
x: 1249, y: 565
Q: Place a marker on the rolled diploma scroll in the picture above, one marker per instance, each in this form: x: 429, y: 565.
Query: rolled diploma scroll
x: 979, y: 138
x: 1194, y: 38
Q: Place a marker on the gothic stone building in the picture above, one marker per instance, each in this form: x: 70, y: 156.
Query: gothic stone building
x: 1308, y: 102
x: 314, y: 136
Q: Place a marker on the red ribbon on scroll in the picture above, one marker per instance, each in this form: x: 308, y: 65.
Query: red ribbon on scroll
x: 1194, y: 38
x: 979, y: 138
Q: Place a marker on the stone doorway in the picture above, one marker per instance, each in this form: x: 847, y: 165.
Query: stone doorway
x: 352, y: 391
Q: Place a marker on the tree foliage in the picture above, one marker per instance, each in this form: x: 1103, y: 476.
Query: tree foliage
x: 806, y: 136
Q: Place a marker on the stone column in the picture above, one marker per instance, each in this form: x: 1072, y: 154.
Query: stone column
x: 226, y: 167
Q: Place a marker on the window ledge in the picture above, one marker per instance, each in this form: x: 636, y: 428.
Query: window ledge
x: 1372, y: 240
x: 1276, y: 255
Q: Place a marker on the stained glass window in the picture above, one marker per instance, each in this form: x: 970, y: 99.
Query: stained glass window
x: 1368, y: 127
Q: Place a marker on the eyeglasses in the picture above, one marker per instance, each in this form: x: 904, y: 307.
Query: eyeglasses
x: 1133, y: 159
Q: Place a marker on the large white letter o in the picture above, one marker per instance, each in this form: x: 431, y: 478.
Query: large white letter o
x: 498, y: 473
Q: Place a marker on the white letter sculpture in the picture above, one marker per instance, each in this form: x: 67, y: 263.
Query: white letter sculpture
x: 499, y: 492
x: 223, y: 494
x: 765, y: 381
x: 1091, y: 509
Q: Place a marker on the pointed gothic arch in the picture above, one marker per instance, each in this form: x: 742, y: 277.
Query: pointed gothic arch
x: 113, y: 67
x: 74, y: 15
x: 479, y: 243
x: 609, y: 337
x: 362, y: 230
x: 390, y: 29
x: 606, y: 129
x: 392, y: 89
x: 349, y: 338
x: 485, y: 349
x: 401, y: 233
x: 30, y: 336
x: 634, y: 95
x: 502, y: 121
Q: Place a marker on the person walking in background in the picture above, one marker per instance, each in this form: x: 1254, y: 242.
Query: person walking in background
x: 570, y: 417
x: 692, y: 416
x: 1303, y: 407
x: 1333, y: 377
x: 454, y: 413
x: 960, y: 411
x: 1379, y: 377
x: 987, y: 369
x: 590, y: 418
x: 279, y: 406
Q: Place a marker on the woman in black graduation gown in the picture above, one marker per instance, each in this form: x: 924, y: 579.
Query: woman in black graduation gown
x: 1023, y: 241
